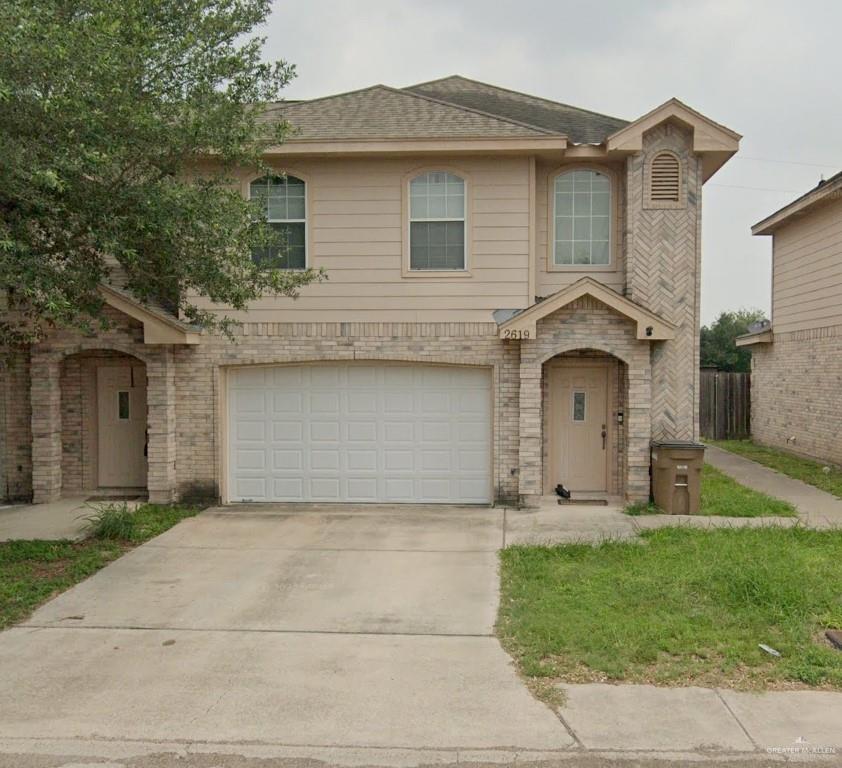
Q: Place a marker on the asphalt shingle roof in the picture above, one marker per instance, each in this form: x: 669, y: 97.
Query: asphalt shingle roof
x: 581, y: 126
x: 380, y: 112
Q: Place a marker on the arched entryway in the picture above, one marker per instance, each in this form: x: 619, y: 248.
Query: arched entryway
x: 585, y: 400
x: 104, y: 418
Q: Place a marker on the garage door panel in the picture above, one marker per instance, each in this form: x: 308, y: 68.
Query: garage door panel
x: 362, y: 402
x: 250, y: 488
x: 398, y: 403
x: 435, y: 432
x: 325, y: 489
x: 324, y: 377
x: 287, y: 402
x: 250, y: 402
x: 287, y: 489
x: 360, y: 432
x: 253, y: 459
x: 283, y: 460
x: 250, y: 431
x: 399, y: 461
x: 324, y: 431
x: 362, y: 489
x: 287, y: 431
x: 321, y: 459
x: 398, y: 432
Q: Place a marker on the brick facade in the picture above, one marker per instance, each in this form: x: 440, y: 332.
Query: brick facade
x: 199, y: 377
x: 586, y: 324
x: 796, y: 383
x: 664, y: 275
x: 49, y: 438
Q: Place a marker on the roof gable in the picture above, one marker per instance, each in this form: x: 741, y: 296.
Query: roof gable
x: 159, y: 327
x: 581, y: 126
x: 650, y: 327
x: 380, y: 112
x: 826, y: 191
x: 713, y: 141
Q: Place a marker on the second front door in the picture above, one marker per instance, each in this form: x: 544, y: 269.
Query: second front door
x: 578, y: 419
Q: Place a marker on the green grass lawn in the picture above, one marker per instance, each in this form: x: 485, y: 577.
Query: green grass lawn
x: 682, y: 606
x: 32, y: 572
x: 806, y: 470
x: 724, y: 497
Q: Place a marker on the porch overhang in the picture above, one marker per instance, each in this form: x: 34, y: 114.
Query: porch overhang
x: 750, y: 339
x: 158, y: 327
x: 524, y: 325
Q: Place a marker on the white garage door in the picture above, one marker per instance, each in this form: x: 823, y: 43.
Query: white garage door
x: 360, y: 432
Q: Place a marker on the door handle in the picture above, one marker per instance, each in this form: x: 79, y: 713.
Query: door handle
x: 604, y: 435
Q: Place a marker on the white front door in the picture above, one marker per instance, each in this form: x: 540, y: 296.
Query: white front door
x: 580, y: 428
x: 121, y: 407
x: 360, y: 433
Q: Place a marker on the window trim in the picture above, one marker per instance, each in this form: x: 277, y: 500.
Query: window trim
x: 406, y: 270
x: 651, y: 204
x: 614, y: 238
x: 246, y: 192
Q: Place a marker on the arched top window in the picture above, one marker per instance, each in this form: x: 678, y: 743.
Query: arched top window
x: 665, y: 179
x: 283, y: 200
x: 437, y: 221
x: 582, y: 218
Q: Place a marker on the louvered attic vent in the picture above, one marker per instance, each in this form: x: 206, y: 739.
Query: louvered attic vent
x: 665, y: 179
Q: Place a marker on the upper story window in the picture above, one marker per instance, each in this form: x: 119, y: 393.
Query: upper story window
x: 664, y: 181
x: 284, y: 201
x: 582, y: 215
x: 437, y: 222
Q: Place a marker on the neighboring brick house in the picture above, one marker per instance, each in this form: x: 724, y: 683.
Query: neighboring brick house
x: 796, y: 381
x: 513, y: 302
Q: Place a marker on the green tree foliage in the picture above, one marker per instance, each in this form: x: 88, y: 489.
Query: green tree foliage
x: 120, y: 126
x: 717, y: 340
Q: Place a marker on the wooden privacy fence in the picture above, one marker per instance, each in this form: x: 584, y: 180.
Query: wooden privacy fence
x: 725, y: 405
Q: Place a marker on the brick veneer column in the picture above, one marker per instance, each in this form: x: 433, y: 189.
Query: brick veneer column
x: 160, y: 395
x: 639, y: 426
x: 45, y: 393
x: 530, y: 453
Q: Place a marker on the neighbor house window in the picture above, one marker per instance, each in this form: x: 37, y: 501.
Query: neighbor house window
x: 582, y: 214
x: 437, y: 221
x: 283, y: 201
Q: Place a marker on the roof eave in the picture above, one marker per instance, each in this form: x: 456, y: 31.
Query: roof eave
x: 750, y: 339
x: 401, y: 146
x: 798, y: 207
x: 649, y: 326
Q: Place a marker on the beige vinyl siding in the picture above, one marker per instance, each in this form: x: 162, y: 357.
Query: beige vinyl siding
x: 356, y: 233
x: 807, y: 271
x: 549, y: 280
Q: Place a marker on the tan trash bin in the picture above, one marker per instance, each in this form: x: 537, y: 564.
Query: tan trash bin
x: 677, y: 476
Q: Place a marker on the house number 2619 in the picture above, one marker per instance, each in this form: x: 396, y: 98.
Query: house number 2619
x: 516, y: 334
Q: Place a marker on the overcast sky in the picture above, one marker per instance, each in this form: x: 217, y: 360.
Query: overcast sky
x: 769, y: 70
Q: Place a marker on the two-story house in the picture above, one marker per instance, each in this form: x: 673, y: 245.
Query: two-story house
x: 512, y: 303
x: 796, y: 361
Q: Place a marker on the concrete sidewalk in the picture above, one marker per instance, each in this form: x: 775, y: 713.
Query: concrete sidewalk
x: 54, y: 521
x: 645, y: 718
x: 816, y: 508
x: 60, y: 519
x: 597, y: 725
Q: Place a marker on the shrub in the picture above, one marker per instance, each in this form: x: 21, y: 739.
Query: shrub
x: 110, y: 522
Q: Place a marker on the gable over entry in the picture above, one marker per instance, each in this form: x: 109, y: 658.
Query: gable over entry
x: 649, y: 326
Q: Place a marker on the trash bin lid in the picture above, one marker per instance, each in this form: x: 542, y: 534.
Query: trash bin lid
x: 683, y: 444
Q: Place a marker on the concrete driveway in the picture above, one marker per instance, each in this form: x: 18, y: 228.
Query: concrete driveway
x: 282, y: 627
